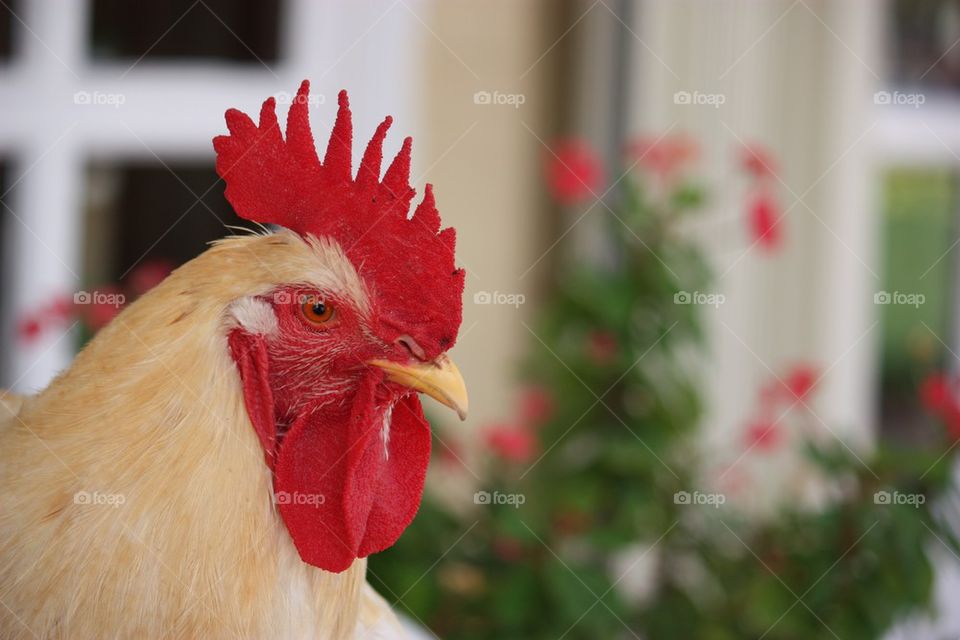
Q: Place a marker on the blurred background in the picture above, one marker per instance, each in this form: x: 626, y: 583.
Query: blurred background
x: 819, y: 144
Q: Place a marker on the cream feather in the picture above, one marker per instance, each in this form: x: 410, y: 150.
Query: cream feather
x: 134, y: 499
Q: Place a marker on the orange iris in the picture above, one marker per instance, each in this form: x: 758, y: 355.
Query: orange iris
x: 317, y: 313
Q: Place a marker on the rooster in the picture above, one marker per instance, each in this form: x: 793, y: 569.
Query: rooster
x: 221, y: 458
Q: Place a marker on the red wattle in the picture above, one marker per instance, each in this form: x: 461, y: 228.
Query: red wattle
x: 342, y: 493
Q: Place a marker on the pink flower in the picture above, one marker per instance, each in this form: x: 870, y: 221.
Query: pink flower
x: 763, y: 435
x: 763, y: 220
x: 61, y: 308
x: 58, y: 311
x: 574, y: 172
x: 512, y: 442
x: 536, y: 405
x: 758, y: 162
x: 29, y: 328
x: 664, y: 156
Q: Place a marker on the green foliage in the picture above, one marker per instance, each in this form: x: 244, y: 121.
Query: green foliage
x: 619, y: 446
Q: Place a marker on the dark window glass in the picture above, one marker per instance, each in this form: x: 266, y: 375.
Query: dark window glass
x: 237, y: 30
x: 6, y: 29
x: 144, y: 213
x: 926, y: 43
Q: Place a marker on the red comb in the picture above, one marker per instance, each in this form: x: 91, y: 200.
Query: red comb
x: 407, y: 263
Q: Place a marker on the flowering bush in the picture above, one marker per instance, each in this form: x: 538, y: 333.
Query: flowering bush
x: 601, y: 514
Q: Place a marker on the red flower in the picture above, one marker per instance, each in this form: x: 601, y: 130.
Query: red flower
x: 664, y: 156
x: 512, y: 442
x: 102, y: 307
x: 570, y: 522
x: 451, y: 453
x: 763, y: 219
x: 935, y: 393
x: 938, y: 396
x: 602, y: 347
x: 29, y: 328
x: 800, y: 381
x: 574, y: 172
x: 149, y: 274
x: 951, y: 418
x: 508, y: 549
x: 536, y: 405
x: 763, y: 435
x: 61, y: 308
x: 758, y: 162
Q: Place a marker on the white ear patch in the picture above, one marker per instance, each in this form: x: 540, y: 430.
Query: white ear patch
x: 254, y: 315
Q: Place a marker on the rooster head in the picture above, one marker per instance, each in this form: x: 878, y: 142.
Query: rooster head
x: 331, y: 362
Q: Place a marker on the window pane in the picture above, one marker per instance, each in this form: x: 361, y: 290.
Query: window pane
x: 6, y: 29
x: 926, y: 50
x: 238, y: 30
x: 915, y: 301
x: 143, y: 213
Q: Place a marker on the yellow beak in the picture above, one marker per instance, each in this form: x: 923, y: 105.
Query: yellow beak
x: 440, y: 379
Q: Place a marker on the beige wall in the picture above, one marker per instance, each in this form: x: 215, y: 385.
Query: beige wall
x: 486, y: 167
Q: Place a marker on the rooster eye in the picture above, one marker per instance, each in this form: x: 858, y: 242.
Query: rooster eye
x: 317, y: 313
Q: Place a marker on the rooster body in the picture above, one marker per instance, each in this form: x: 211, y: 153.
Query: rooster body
x: 152, y: 413
x: 138, y: 492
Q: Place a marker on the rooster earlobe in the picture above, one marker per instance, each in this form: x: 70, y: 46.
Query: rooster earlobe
x: 249, y: 352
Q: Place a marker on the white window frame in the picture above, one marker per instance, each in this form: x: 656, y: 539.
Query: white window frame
x: 170, y: 112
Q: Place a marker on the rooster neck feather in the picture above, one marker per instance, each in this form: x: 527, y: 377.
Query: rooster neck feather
x: 152, y: 413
